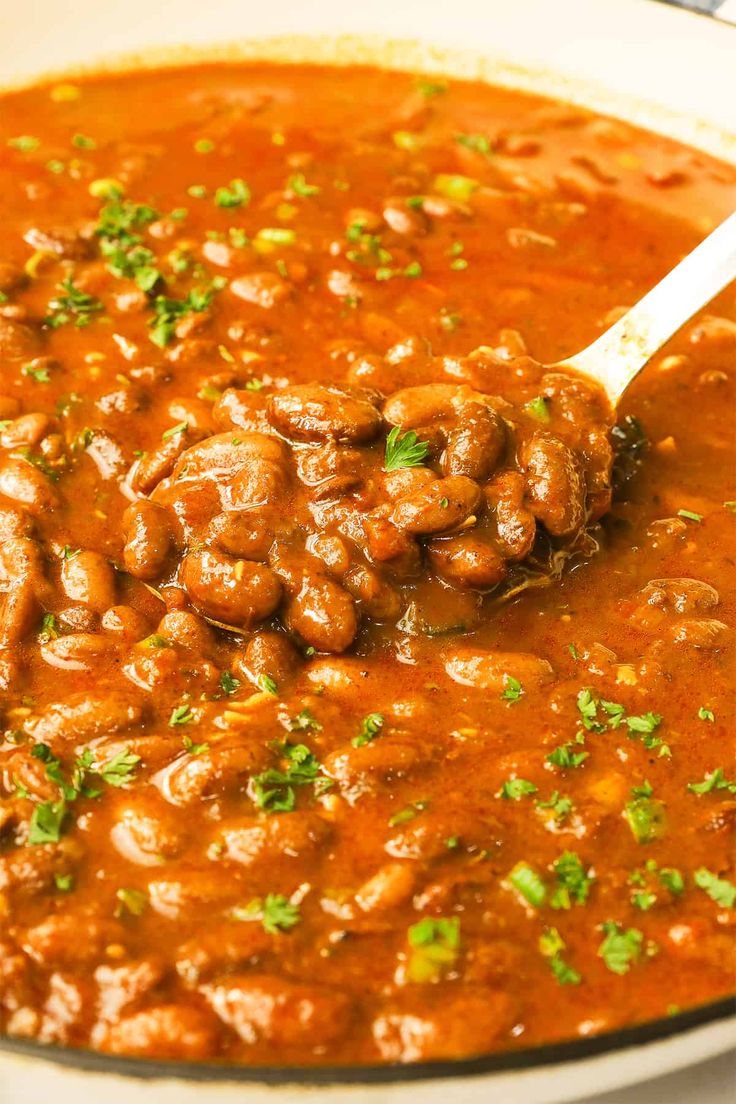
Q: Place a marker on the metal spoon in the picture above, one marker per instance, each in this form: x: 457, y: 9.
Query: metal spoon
x: 619, y: 354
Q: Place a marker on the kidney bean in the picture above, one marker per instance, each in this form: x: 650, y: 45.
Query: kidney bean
x: 22, y: 482
x: 17, y: 340
x: 148, y: 471
x: 243, y: 409
x: 221, y: 457
x: 143, y: 834
x: 120, y: 986
x: 259, y: 483
x: 270, y: 654
x: 555, y: 484
x: 323, y: 614
x: 126, y: 622
x: 467, y: 1023
x: 361, y: 769
x: 475, y: 442
x: 315, y: 412
x: 77, y: 651
x: 89, y: 578
x: 84, y: 716
x: 486, y: 670
x: 440, y: 506
x: 330, y: 472
x: 55, y: 940
x: 387, y: 544
x: 262, y: 289
x: 148, y: 539
x: 191, y: 892
x: 258, y: 1006
x: 707, y: 633
x: 515, y: 524
x: 14, y: 523
x: 235, y: 592
x: 679, y: 595
x: 377, y: 598
x: 190, y: 777
x: 22, y: 578
x: 187, y: 630
x: 11, y: 278
x: 418, y: 406
x: 467, y: 560
x: 246, y: 535
x: 391, y: 885
x: 176, y: 1031
x: 63, y: 241
x: 25, y: 431
x: 253, y: 842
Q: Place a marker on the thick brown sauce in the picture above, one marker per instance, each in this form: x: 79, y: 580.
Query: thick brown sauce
x: 136, y: 930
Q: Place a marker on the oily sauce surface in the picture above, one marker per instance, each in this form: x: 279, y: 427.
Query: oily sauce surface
x: 364, y: 696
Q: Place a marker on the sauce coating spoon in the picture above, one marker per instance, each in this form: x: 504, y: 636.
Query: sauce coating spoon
x: 619, y: 354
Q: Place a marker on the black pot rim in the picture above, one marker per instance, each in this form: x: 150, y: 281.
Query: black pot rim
x: 523, y: 1059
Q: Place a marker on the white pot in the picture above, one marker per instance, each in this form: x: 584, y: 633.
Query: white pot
x: 660, y: 67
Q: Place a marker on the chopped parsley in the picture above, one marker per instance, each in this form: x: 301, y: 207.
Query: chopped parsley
x: 181, y: 715
x: 168, y: 312
x: 37, y: 372
x: 120, y: 769
x: 435, y: 944
x: 408, y: 813
x: 404, y: 450
x: 299, y: 186
x: 229, y: 684
x: 565, y: 757
x: 370, y: 727
x: 620, y: 948
x: 74, y: 305
x: 237, y: 194
x: 706, y: 714
x: 718, y: 889
x: 275, y: 912
x: 716, y: 780
x: 24, y: 143
x: 131, y: 901
x: 516, y: 788
x: 551, y: 945
x: 274, y: 790
x: 174, y: 431
x: 477, y: 143
x: 537, y: 408
x: 192, y: 747
x: 528, y: 884
x: 46, y: 822
x: 267, y: 685
x: 573, y: 882
x: 513, y: 689
x: 645, y: 815
x: 561, y: 806
x: 305, y: 721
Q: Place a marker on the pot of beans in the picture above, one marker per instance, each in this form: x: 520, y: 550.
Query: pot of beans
x: 366, y: 684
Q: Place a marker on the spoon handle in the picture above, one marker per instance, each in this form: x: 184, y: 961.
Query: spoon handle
x: 621, y: 352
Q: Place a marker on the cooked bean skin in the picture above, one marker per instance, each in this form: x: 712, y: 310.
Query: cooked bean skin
x: 555, y: 484
x: 365, y: 691
x: 236, y: 592
x: 441, y: 506
x: 312, y: 412
x: 148, y: 539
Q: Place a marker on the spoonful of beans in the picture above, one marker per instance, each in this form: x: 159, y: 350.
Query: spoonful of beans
x: 618, y: 355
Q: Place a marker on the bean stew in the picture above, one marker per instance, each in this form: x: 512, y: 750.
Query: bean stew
x: 366, y: 688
